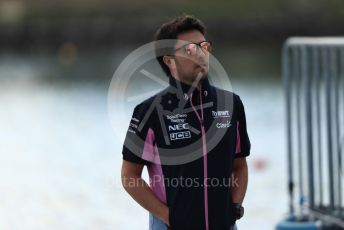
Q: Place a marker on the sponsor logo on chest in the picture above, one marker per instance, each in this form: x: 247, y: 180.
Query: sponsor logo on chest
x: 218, y: 114
x: 179, y: 131
x: 223, y: 125
x: 177, y: 118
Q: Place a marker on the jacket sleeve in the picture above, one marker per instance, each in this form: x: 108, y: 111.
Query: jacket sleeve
x: 139, y: 142
x: 243, y: 144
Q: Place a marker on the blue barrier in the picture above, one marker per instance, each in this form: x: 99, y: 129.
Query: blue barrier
x: 292, y: 223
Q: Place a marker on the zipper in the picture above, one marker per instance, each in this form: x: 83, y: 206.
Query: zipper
x: 204, y: 149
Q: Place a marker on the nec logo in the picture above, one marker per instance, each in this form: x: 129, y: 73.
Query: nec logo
x: 180, y: 135
x: 178, y: 127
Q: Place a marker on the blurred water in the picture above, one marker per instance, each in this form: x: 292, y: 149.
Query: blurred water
x: 60, y: 160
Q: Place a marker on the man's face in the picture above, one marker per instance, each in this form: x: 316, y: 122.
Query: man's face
x: 190, y: 65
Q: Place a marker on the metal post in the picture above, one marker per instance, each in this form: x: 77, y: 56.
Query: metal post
x: 287, y: 89
x: 341, y: 152
x: 328, y: 123
x: 308, y: 118
x: 336, y: 137
x: 317, y: 81
x: 298, y: 116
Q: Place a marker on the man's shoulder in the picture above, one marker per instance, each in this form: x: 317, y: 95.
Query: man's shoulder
x: 231, y: 97
x: 150, y: 103
x: 227, y: 93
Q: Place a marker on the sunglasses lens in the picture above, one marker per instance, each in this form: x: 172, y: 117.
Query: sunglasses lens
x: 191, y: 49
x: 206, y: 46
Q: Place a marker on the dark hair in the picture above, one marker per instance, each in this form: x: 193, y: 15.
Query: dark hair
x: 171, y: 30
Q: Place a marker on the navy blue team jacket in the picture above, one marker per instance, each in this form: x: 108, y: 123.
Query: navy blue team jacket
x: 188, y: 138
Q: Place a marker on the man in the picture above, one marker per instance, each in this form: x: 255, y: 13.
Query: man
x: 159, y: 142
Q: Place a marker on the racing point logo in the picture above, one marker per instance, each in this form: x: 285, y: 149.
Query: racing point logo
x: 169, y: 102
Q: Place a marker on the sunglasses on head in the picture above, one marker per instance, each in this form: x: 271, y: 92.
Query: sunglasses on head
x: 192, y: 49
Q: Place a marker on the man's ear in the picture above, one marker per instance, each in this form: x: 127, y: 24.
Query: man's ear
x: 169, y: 61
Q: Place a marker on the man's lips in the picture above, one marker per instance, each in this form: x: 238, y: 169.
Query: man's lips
x: 201, y: 66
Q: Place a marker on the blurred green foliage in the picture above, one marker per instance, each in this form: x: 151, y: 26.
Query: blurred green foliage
x: 60, y: 11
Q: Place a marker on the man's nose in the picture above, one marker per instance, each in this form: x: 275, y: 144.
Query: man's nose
x: 201, y: 55
x: 201, y: 52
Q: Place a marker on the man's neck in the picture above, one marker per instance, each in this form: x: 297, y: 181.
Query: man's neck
x: 191, y: 83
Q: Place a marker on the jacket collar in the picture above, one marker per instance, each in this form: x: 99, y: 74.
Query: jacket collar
x: 188, y: 89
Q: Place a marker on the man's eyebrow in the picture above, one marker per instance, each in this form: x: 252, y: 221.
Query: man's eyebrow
x: 183, y: 42
x: 189, y: 42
